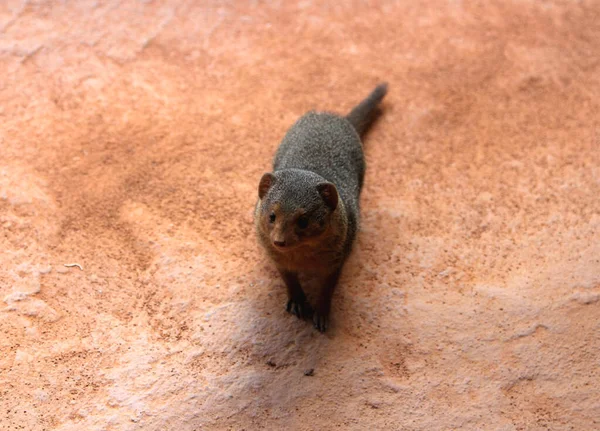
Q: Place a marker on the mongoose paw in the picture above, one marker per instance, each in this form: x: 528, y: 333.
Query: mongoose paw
x: 321, y: 321
x: 299, y: 307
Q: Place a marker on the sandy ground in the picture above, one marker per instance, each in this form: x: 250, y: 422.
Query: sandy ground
x: 132, y: 138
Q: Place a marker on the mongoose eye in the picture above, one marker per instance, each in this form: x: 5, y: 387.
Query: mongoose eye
x: 302, y: 222
x: 272, y: 218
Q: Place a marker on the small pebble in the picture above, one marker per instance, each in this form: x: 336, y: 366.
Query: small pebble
x: 310, y: 372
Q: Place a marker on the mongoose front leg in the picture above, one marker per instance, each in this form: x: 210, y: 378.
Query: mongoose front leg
x: 321, y: 314
x: 297, y: 303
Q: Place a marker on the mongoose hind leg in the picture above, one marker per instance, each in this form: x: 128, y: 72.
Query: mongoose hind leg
x: 321, y: 313
x: 297, y: 303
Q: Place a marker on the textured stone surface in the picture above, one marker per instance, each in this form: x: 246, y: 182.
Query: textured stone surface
x: 132, y: 137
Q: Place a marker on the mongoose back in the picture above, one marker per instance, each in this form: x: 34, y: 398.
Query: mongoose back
x: 307, y: 212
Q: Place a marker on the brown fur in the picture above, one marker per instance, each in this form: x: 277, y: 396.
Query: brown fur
x: 314, y: 254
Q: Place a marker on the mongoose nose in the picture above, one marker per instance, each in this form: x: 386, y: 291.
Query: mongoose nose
x: 279, y: 243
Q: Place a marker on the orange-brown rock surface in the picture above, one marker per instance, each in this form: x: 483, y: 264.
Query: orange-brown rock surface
x: 132, y: 137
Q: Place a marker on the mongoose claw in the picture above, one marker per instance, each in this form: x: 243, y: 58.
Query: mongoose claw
x: 300, y: 308
x: 321, y: 321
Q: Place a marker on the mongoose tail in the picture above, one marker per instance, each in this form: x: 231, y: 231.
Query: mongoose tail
x: 364, y: 113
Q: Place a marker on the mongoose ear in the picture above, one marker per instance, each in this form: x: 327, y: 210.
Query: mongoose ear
x: 265, y: 184
x: 329, y: 194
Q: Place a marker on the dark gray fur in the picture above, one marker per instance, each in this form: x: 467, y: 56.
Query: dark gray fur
x: 319, y: 148
x: 327, y: 145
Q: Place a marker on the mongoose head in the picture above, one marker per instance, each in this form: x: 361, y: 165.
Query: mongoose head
x: 295, y: 208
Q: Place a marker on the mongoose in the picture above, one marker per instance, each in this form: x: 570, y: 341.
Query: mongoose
x: 307, y: 212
